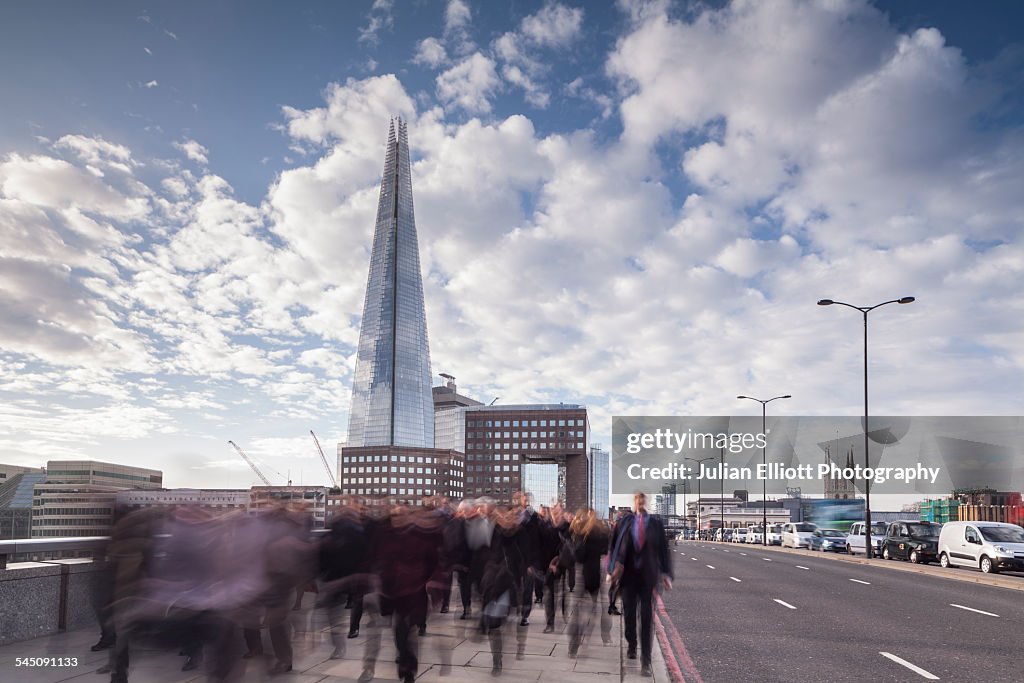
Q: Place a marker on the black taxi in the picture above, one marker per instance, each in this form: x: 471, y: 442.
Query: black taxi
x: 912, y: 540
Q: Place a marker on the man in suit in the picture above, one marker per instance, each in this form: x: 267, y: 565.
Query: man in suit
x: 640, y: 562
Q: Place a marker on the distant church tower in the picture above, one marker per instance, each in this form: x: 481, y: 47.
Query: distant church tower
x: 392, y: 404
x: 840, y: 488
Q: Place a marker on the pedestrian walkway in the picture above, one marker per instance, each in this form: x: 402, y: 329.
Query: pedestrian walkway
x: 452, y: 651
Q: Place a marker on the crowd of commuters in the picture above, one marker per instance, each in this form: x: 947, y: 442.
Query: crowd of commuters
x: 210, y: 585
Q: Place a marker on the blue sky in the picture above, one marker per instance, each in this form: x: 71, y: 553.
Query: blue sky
x: 633, y: 205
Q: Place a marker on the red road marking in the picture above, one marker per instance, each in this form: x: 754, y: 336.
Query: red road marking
x: 670, y: 659
x: 684, y: 662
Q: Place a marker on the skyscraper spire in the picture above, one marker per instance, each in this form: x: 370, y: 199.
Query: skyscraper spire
x: 392, y: 403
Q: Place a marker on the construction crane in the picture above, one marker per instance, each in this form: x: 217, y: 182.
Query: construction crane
x: 251, y: 463
x: 323, y: 457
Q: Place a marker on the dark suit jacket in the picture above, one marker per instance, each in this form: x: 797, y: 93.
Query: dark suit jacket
x: 644, y: 565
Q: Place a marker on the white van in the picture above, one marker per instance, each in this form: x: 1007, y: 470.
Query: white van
x: 989, y: 546
x: 797, y: 534
x: 775, y: 534
x: 739, y: 535
x: 855, y: 539
x: 755, y: 534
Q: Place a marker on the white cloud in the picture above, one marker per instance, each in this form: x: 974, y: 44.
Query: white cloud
x: 456, y: 15
x: 430, y: 52
x: 469, y: 84
x: 194, y: 151
x: 555, y: 25
x: 54, y: 183
x: 151, y: 84
x: 379, y: 18
x: 98, y: 151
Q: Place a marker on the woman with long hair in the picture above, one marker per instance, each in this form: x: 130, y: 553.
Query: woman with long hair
x: 587, y: 543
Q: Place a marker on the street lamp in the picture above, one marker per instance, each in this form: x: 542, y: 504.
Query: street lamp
x: 698, y: 487
x: 764, y: 460
x: 867, y: 463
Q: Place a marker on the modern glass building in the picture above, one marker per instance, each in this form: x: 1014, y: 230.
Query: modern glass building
x: 392, y: 403
x: 599, y: 470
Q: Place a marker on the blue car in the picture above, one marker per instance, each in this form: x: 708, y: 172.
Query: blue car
x: 828, y: 540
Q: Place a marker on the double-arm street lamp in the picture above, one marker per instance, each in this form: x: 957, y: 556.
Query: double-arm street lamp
x: 698, y: 487
x: 764, y: 460
x: 867, y: 463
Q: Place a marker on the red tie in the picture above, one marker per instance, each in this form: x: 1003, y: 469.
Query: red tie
x: 641, y: 532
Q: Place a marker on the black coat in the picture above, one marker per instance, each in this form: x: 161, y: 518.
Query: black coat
x: 503, y: 564
x: 587, y: 551
x: 645, y: 565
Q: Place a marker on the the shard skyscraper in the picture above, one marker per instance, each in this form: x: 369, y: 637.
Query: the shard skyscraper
x: 392, y: 403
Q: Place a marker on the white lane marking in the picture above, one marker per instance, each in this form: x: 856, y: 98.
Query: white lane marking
x: 725, y: 550
x: 709, y: 566
x: 766, y: 559
x: 971, y: 609
x: 866, y: 583
x: 800, y: 566
x: 916, y: 669
x: 743, y: 554
x: 694, y: 559
x: 735, y: 579
x: 784, y: 604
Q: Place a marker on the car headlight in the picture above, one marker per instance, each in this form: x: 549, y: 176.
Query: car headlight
x: 1003, y: 551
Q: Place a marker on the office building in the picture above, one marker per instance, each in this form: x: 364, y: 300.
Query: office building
x: 392, y: 404
x: 312, y: 498
x: 665, y: 502
x: 390, y: 456
x: 400, y: 474
x: 217, y: 500
x: 539, y: 448
x: 78, y: 497
x: 16, y: 490
x: 600, y: 466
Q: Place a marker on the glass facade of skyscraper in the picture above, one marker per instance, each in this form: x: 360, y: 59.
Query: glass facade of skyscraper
x: 599, y: 484
x: 391, y: 389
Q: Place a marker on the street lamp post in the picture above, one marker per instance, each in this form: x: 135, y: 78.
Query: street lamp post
x: 721, y: 502
x: 698, y: 461
x: 764, y: 460
x: 867, y: 462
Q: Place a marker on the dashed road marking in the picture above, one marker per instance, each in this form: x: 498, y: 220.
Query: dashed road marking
x: 866, y: 583
x: 971, y: 609
x: 799, y: 566
x: 709, y: 566
x: 742, y: 553
x: 783, y: 603
x: 766, y: 559
x: 916, y: 669
x: 735, y: 579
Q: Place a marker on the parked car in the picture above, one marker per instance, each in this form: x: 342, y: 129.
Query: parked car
x: 828, y: 540
x: 855, y: 539
x: 797, y: 534
x: 912, y: 540
x: 989, y: 546
x: 755, y: 534
x: 739, y: 535
x: 775, y: 534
